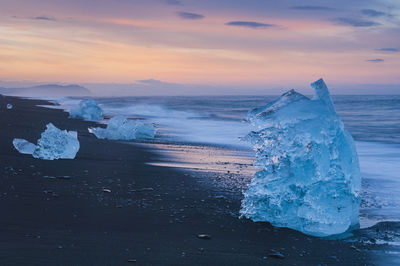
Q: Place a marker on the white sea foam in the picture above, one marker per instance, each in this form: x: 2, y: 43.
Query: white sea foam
x: 380, y: 171
x: 176, y: 125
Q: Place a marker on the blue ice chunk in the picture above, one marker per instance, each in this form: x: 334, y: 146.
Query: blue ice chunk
x: 53, y: 144
x: 310, y: 178
x: 120, y: 128
x: 57, y: 144
x: 24, y: 146
x: 89, y: 110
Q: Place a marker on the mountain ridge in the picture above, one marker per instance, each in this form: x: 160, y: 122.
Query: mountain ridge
x: 47, y: 90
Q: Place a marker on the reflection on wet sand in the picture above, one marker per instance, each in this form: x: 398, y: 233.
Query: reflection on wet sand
x: 205, y: 158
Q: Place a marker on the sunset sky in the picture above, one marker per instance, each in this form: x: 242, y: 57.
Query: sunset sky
x: 222, y: 44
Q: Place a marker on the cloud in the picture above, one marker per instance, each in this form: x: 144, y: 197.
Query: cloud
x: 355, y: 22
x: 388, y: 50
x: 43, y: 17
x: 373, y: 13
x: 313, y: 8
x: 174, y: 2
x: 188, y: 15
x: 154, y: 87
x: 249, y: 24
x: 377, y: 60
x: 154, y: 82
x: 148, y: 81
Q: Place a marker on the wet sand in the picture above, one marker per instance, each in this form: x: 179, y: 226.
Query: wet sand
x: 112, y: 206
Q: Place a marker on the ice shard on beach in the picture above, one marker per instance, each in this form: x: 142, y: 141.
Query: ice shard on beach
x: 310, y: 177
x: 24, y: 146
x: 89, y: 110
x: 53, y: 144
x: 120, y: 128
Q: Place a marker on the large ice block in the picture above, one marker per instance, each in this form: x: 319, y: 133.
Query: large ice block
x: 120, y: 128
x: 310, y: 178
x: 53, y: 144
x: 88, y: 109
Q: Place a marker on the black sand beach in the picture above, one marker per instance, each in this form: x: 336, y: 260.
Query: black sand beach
x: 108, y: 207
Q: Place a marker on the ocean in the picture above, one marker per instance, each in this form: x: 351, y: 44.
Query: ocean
x: 215, y: 123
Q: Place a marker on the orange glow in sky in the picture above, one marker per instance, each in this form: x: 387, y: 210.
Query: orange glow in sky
x: 173, y: 47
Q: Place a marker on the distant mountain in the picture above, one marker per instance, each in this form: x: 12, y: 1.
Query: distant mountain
x: 47, y: 90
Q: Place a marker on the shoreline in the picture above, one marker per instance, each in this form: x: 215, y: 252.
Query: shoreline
x: 153, y: 214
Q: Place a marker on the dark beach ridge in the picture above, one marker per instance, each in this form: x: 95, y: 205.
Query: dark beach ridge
x: 109, y: 206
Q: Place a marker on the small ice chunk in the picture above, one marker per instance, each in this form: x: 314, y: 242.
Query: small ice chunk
x: 310, y: 178
x: 53, y: 144
x: 9, y: 106
x: 88, y: 109
x: 57, y: 144
x: 120, y: 128
x: 24, y: 146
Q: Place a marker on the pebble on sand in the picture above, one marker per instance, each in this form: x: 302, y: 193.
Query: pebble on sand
x: 276, y: 255
x: 203, y: 236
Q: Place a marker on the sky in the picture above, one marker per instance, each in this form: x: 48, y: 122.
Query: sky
x: 194, y: 47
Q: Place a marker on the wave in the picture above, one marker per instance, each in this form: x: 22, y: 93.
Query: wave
x: 380, y: 171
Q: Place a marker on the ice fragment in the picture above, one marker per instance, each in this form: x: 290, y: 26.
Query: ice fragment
x: 53, y: 144
x: 120, y: 128
x: 88, y: 110
x: 310, y: 177
x: 24, y: 146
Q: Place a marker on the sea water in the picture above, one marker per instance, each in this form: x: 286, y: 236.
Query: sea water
x: 217, y: 121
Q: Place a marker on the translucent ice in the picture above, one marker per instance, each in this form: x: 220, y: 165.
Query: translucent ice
x: 24, y: 146
x: 88, y: 110
x: 9, y: 106
x: 53, y: 144
x: 310, y: 177
x: 120, y: 128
